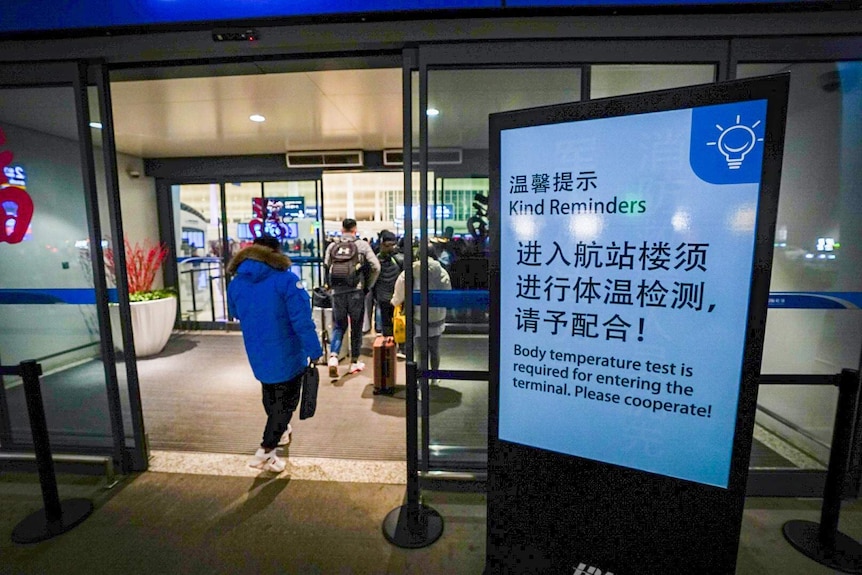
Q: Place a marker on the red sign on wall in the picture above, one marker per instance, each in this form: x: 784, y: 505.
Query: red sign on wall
x: 16, y: 206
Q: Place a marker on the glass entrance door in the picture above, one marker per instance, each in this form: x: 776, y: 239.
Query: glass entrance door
x: 54, y: 303
x: 458, y: 89
x: 214, y: 220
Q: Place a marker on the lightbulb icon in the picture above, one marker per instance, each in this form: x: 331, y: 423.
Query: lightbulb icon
x: 736, y: 142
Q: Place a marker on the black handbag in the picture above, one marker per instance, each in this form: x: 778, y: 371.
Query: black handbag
x: 310, y: 383
x: 320, y: 298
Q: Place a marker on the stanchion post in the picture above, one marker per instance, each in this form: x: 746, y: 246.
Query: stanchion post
x: 823, y: 542
x: 414, y: 524
x: 30, y: 372
x: 56, y: 517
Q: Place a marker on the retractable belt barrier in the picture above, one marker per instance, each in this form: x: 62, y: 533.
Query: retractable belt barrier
x: 822, y: 541
x: 57, y: 516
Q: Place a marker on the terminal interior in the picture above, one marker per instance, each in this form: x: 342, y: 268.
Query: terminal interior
x: 191, y: 163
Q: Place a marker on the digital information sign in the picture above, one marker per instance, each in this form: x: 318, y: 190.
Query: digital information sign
x: 627, y: 252
x: 629, y: 247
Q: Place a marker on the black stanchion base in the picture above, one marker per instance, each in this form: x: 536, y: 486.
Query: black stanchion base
x: 413, y: 529
x: 845, y: 555
x: 36, y: 526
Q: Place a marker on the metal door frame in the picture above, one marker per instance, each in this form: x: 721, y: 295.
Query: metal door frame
x: 80, y: 76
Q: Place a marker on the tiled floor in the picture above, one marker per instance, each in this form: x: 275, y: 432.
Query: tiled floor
x: 191, y: 523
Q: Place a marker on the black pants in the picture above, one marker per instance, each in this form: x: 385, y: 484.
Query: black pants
x: 279, y: 401
x: 386, y: 312
x: 350, y: 305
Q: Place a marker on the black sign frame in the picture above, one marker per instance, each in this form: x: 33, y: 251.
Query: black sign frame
x: 553, y: 513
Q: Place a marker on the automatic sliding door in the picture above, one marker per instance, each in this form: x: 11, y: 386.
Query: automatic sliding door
x: 53, y: 293
x: 817, y: 259
x: 458, y: 89
x: 201, y: 251
x: 459, y: 102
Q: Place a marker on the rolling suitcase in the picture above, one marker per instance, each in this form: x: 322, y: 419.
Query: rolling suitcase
x: 324, y: 326
x: 384, y: 365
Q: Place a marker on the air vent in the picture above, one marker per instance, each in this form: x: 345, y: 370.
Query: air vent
x: 436, y: 156
x: 333, y: 159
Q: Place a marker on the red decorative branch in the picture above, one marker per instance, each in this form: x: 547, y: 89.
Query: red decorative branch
x: 142, y: 263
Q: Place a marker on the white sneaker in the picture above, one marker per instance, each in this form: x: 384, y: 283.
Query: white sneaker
x: 400, y: 355
x: 356, y: 367
x: 285, y: 437
x: 266, y: 461
x: 333, y: 366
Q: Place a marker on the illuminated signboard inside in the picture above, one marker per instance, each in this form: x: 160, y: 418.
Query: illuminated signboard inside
x: 275, y: 217
x: 440, y: 212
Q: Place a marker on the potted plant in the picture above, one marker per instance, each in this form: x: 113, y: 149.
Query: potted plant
x: 153, y: 310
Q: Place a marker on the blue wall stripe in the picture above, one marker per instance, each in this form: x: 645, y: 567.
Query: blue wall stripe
x: 452, y: 299
x: 74, y: 296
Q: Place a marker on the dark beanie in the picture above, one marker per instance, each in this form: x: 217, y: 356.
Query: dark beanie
x: 387, y: 236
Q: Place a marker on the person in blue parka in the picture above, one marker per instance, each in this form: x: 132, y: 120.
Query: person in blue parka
x: 279, y: 335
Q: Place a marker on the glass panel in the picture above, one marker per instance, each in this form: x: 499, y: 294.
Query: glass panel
x: 456, y: 98
x: 620, y: 79
x: 817, y: 251
x: 200, y: 249
x: 463, y: 258
x: 458, y: 228
x: 459, y: 423
x: 47, y: 296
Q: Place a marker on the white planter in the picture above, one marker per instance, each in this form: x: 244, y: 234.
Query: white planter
x: 152, y: 323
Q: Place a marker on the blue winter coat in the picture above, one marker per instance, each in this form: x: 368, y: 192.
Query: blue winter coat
x: 274, y: 312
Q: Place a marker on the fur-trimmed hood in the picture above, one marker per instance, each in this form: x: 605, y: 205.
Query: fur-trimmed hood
x: 260, y: 254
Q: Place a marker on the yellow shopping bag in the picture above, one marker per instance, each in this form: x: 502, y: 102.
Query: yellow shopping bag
x: 399, y: 324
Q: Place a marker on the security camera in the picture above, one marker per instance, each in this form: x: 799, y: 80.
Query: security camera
x: 134, y: 174
x: 830, y: 81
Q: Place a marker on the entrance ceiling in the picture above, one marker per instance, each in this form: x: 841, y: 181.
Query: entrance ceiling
x: 209, y: 116
x: 319, y: 110
x: 204, y: 111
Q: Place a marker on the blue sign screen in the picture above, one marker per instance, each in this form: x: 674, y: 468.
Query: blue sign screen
x: 627, y: 247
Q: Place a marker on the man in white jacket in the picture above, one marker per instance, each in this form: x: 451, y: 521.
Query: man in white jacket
x: 438, y: 279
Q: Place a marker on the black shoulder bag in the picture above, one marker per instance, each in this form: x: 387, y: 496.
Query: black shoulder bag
x: 310, y: 383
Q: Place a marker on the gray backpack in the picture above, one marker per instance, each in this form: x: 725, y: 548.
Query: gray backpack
x: 345, y: 265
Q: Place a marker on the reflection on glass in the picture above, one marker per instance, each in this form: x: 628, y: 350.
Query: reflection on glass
x: 821, y: 187
x: 458, y: 227
x: 620, y: 79
x: 53, y: 317
x: 459, y: 423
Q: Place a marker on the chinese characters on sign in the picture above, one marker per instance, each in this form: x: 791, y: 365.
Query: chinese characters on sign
x: 626, y: 258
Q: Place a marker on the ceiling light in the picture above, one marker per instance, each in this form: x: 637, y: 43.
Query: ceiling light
x: 432, y: 112
x: 257, y: 118
x: 96, y: 125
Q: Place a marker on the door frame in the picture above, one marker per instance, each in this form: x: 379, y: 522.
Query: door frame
x: 81, y: 76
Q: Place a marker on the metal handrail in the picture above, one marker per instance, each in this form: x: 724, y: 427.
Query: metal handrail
x: 831, y: 380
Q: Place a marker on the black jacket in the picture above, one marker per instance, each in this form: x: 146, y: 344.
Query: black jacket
x: 390, y: 267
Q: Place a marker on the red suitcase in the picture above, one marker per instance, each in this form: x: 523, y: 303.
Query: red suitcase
x: 384, y: 365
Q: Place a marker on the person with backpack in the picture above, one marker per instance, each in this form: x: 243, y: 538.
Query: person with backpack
x: 351, y: 271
